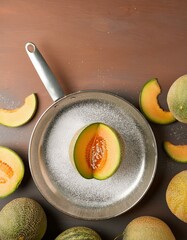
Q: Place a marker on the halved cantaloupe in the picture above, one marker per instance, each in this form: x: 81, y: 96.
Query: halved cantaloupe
x: 97, y: 151
x: 176, y: 152
x: 11, y: 171
x: 19, y: 116
x: 149, y: 104
x: 176, y: 195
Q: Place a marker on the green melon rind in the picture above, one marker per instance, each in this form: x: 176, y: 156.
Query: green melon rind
x: 2, y: 122
x: 21, y: 176
x: 177, y: 99
x: 79, y: 233
x: 143, y: 108
x: 22, y: 218
x: 177, y: 159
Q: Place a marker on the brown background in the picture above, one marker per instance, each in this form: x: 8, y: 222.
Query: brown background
x: 101, y: 44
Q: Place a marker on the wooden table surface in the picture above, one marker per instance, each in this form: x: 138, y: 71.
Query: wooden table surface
x: 103, y: 44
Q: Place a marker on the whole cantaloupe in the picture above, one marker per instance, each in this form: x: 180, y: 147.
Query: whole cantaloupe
x: 22, y: 219
x: 82, y: 233
x: 177, y: 99
x: 176, y: 195
x: 147, y: 227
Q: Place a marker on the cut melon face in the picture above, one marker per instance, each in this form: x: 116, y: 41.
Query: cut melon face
x: 149, y: 104
x: 97, y: 151
x: 11, y: 171
x: 176, y: 195
x: 19, y: 116
x: 177, y: 99
x: 176, y: 152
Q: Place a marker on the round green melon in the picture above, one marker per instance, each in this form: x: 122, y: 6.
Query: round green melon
x: 79, y: 233
x: 22, y: 219
x: 147, y: 228
x: 177, y: 99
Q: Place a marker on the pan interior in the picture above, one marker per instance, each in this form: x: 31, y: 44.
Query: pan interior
x: 56, y: 176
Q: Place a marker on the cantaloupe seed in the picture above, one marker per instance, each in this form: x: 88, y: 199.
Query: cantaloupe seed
x: 96, y: 152
x: 6, y: 171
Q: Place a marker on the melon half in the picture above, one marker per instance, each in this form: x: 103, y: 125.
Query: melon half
x: 11, y: 171
x: 97, y: 151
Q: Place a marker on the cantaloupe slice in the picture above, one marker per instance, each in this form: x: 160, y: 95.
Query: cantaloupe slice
x: 97, y: 151
x: 177, y: 99
x: 149, y: 104
x: 147, y: 228
x: 176, y: 152
x: 11, y: 171
x: 176, y: 195
x: 19, y: 116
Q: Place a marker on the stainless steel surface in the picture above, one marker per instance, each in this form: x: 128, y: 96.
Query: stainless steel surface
x: 55, y: 175
x: 44, y: 71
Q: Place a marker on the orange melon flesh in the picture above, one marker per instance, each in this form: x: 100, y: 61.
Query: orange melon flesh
x: 21, y: 115
x: 97, y: 151
x: 176, y: 195
x: 11, y: 171
x: 176, y: 152
x: 149, y: 104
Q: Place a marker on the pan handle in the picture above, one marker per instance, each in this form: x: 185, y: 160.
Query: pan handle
x: 44, y: 72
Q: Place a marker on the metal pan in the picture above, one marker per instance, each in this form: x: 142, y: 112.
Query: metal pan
x: 51, y: 168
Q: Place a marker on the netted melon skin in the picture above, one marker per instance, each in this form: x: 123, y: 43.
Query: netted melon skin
x: 147, y: 227
x: 22, y: 219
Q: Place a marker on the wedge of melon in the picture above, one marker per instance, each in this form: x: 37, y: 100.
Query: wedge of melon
x: 149, y: 104
x: 176, y: 152
x: 11, y: 171
x: 176, y: 195
x: 19, y: 116
x: 97, y: 151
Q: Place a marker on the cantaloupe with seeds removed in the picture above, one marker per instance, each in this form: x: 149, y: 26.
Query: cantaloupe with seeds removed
x: 97, y: 151
x: 22, y: 219
x: 147, y: 228
x: 177, y: 99
x: 11, y: 171
x: 150, y: 106
x: 176, y: 152
x: 176, y: 195
x: 21, y: 115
